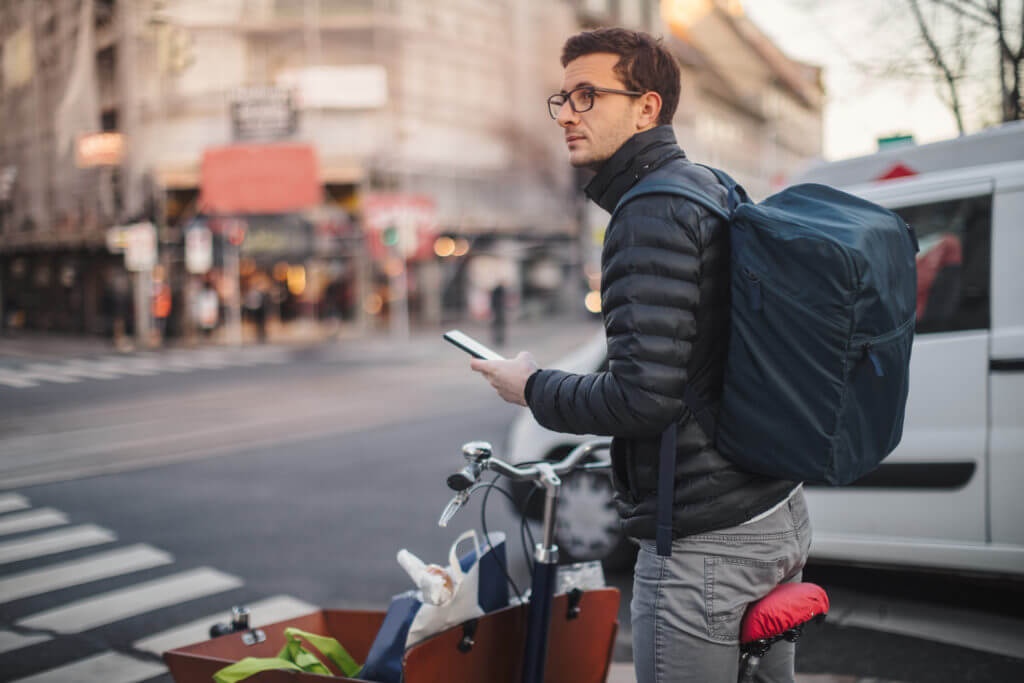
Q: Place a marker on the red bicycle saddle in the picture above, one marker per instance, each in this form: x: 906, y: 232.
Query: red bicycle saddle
x: 787, y: 606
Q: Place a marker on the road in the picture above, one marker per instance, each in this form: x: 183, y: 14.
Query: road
x: 141, y: 496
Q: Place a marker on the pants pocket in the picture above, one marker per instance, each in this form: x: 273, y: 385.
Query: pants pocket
x: 730, y: 584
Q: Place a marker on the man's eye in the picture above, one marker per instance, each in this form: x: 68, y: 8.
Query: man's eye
x: 585, y: 97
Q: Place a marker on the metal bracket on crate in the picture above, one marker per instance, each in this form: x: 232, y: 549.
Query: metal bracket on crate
x: 253, y: 637
x: 468, y: 635
x: 575, y: 596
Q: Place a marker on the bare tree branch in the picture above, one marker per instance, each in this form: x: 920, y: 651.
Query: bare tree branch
x: 958, y: 8
x: 941, y: 63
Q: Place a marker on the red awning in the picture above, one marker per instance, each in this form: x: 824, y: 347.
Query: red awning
x: 241, y: 179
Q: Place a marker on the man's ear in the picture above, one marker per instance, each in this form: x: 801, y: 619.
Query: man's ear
x: 650, y: 109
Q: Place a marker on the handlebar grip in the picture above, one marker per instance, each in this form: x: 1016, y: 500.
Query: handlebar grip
x: 461, y: 480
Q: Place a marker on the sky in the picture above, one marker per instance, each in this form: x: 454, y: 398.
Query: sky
x: 860, y: 108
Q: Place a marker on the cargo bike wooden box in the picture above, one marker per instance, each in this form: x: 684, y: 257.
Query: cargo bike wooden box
x: 489, y: 649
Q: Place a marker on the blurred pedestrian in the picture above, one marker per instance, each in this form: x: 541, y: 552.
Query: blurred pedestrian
x: 161, y: 307
x: 207, y: 309
x: 256, y: 307
x: 664, y: 289
x: 498, y: 314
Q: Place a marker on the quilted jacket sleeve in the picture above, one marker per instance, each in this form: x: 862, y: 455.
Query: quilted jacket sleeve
x: 649, y: 298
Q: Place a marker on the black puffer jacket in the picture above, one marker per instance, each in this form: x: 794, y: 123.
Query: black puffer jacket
x: 665, y: 304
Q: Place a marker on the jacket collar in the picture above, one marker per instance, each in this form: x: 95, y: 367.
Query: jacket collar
x: 637, y: 157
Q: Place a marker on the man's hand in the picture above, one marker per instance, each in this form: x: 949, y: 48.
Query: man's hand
x: 508, y: 376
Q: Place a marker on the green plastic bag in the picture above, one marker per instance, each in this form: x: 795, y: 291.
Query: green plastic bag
x: 294, y: 656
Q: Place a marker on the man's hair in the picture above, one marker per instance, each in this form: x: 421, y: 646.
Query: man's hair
x: 644, y: 63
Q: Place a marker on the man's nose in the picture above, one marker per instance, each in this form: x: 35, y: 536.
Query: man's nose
x: 567, y: 116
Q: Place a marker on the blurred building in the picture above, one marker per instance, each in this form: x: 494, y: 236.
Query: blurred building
x: 328, y: 144
x: 438, y: 105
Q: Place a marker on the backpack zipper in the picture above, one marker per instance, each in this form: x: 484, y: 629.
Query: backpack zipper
x: 867, y: 348
x: 873, y: 357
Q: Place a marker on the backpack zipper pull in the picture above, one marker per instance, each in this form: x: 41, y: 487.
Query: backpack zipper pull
x: 873, y: 357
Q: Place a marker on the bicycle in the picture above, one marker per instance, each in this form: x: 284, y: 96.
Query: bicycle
x: 779, y: 615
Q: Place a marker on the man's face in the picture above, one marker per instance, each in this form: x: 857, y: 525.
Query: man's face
x: 593, y: 136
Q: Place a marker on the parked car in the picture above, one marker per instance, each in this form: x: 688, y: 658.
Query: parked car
x: 952, y: 494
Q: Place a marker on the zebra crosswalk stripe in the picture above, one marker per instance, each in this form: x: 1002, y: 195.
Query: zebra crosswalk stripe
x: 123, y: 603
x: 125, y: 366
x: 48, y: 372
x: 112, y: 367
x: 109, y: 667
x: 10, y: 640
x: 90, y: 568
x: 16, y: 380
x: 30, y: 521
x: 263, y: 612
x: 12, y: 501
x: 83, y: 368
x: 54, y: 542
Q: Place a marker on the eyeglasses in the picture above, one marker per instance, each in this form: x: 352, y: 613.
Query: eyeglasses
x: 581, y: 99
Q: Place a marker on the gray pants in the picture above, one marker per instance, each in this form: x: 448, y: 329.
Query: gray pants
x: 687, y: 608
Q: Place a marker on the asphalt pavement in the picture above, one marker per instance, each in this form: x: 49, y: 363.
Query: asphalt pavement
x: 144, y: 494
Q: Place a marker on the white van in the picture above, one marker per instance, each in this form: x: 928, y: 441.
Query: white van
x: 952, y: 494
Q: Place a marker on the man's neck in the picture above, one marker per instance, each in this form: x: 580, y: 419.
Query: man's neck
x: 625, y: 166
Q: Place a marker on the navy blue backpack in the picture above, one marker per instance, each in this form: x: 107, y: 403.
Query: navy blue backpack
x: 823, y: 306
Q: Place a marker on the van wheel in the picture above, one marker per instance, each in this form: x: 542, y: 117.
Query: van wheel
x: 587, y: 526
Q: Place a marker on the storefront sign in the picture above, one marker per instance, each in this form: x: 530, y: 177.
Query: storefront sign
x: 263, y: 113
x: 99, y: 149
x: 363, y: 86
x: 198, y: 249
x: 140, y: 250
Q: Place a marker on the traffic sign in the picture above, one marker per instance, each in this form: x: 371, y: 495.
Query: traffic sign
x: 140, y: 249
x: 198, y: 249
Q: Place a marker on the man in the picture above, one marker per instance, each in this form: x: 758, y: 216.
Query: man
x: 664, y: 293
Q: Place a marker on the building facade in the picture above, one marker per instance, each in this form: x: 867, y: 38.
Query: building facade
x: 115, y: 112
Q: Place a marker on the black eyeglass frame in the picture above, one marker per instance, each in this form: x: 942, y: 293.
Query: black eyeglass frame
x: 593, y: 89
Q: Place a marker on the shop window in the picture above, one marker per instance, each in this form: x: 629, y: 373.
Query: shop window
x: 954, y: 264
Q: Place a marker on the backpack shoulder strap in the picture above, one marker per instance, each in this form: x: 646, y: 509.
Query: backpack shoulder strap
x: 678, y: 189
x: 667, y: 448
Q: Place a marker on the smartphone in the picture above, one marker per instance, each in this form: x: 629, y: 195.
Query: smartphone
x: 471, y: 346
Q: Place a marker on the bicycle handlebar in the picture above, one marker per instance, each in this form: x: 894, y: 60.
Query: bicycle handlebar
x: 478, y: 453
x: 561, y: 467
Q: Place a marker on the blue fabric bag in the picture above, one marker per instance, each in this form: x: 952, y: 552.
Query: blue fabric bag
x: 480, y: 587
x: 823, y: 302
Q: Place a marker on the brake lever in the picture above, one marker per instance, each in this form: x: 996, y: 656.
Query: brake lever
x: 453, y: 506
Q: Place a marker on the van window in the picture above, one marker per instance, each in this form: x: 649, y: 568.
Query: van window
x: 954, y: 264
